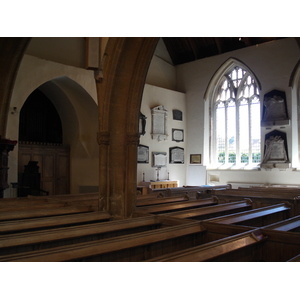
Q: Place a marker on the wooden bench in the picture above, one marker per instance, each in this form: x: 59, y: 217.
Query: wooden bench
x: 155, y: 201
x: 37, y: 213
x: 130, y: 247
x: 256, y: 217
x: 260, y: 199
x: 53, y: 222
x: 169, y: 207
x: 212, y: 211
x: 48, y: 199
x: 235, y: 248
x: 291, y: 224
x: 280, y: 246
x: 32, y: 207
x: 191, y: 191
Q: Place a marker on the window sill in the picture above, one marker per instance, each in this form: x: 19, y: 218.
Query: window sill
x: 232, y: 167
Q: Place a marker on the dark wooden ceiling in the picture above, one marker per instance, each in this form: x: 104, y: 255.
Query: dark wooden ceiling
x: 186, y: 49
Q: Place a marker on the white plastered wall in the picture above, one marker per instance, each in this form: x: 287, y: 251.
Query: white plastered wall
x: 272, y: 63
x: 152, y: 97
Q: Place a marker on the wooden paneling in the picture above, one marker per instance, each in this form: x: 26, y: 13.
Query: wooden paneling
x: 54, y: 166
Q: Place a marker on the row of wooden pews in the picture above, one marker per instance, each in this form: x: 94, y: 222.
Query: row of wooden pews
x: 182, y: 227
x: 261, y: 196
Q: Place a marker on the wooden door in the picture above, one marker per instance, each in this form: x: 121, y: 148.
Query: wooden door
x: 54, y: 166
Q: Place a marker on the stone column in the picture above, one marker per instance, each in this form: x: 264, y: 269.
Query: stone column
x: 119, y: 90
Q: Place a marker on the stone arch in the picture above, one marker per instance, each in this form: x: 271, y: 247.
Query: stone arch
x: 79, y: 117
x: 119, y: 93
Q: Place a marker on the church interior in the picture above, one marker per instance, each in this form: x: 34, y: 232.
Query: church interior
x: 149, y: 149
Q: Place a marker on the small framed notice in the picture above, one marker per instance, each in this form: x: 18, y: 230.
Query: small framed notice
x: 195, y: 159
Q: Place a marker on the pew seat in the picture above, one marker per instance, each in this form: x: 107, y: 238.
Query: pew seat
x: 169, y: 207
x: 212, y: 211
x: 256, y: 217
x: 291, y: 224
x: 163, y: 200
x: 214, y: 250
x: 129, y: 247
x: 53, y: 222
x: 36, y: 213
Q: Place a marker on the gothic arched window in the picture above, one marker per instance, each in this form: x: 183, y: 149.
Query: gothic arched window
x: 236, y: 119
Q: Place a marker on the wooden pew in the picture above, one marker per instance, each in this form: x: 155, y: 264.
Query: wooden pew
x: 53, y: 222
x: 260, y: 198
x: 291, y: 224
x: 32, y: 207
x: 255, y: 245
x: 235, y: 248
x: 41, y: 239
x: 169, y: 207
x: 256, y: 217
x: 212, y: 211
x: 155, y: 201
x: 129, y: 247
x: 71, y: 199
x: 193, y: 192
x: 37, y: 213
x: 281, y: 246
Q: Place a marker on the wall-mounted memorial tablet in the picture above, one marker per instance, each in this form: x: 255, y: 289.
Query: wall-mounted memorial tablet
x: 275, y: 109
x: 176, y: 155
x: 177, y: 135
x: 143, y: 154
x: 159, y: 159
x: 159, y: 123
x: 177, y: 115
x: 275, y: 150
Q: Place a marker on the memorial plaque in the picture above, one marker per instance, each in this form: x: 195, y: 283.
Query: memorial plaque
x: 176, y: 155
x: 159, y: 159
x: 159, y: 123
x: 274, y: 109
x: 275, y: 148
x: 177, y: 115
x: 143, y: 154
x: 177, y: 135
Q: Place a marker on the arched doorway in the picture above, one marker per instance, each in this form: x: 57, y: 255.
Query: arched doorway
x: 43, y: 160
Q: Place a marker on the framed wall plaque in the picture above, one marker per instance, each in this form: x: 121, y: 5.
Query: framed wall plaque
x: 275, y: 109
x: 177, y: 115
x: 159, y: 159
x: 159, y: 123
x: 176, y: 155
x: 143, y: 154
x: 177, y: 135
x: 195, y: 159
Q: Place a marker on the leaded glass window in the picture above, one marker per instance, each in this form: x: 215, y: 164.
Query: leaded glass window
x: 236, y: 119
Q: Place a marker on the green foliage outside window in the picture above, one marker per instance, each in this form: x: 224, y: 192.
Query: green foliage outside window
x: 244, y: 158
